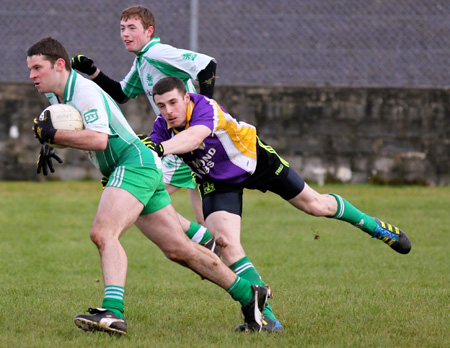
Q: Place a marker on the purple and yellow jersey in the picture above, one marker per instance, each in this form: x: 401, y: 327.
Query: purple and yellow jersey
x: 228, y: 154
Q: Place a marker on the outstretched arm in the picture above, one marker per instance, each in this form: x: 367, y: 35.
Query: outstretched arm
x: 186, y: 141
x: 110, y: 86
x: 113, y: 88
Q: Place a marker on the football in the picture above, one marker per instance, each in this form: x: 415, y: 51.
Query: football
x: 65, y: 117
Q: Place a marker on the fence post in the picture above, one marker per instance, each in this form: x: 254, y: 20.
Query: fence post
x: 193, y: 41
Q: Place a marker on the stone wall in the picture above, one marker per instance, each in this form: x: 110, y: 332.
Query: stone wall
x: 351, y: 135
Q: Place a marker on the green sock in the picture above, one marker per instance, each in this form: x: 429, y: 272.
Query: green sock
x: 198, y: 234
x: 113, y: 300
x: 347, y: 212
x: 245, y: 269
x: 241, y: 290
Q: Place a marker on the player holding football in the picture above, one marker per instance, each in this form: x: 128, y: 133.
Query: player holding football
x: 154, y: 61
x: 227, y: 156
x: 134, y: 181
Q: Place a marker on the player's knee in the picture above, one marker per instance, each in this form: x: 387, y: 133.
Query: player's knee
x: 99, y: 237
x: 96, y: 238
x: 222, y: 242
x: 173, y: 256
x: 177, y: 255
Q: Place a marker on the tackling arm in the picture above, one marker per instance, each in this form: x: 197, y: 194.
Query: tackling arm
x: 113, y: 88
x: 110, y: 86
x: 186, y: 141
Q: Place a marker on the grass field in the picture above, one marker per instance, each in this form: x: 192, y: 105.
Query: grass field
x: 342, y: 289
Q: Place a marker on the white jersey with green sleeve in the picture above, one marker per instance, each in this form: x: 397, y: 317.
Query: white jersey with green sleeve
x: 154, y: 62
x: 100, y: 113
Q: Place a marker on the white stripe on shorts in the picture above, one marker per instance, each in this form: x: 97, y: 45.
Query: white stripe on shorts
x: 118, y: 174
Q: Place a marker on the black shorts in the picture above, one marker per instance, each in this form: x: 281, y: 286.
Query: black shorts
x: 272, y: 174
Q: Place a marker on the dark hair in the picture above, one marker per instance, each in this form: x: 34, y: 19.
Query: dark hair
x: 143, y: 14
x: 51, y: 49
x: 168, y: 84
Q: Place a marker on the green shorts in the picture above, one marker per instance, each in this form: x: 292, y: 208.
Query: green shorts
x: 144, y: 183
x: 177, y: 173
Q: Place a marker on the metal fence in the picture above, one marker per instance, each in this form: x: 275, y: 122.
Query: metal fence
x: 256, y: 42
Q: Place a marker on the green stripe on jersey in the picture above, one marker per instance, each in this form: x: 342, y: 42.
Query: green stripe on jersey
x: 133, y: 86
x: 168, y: 69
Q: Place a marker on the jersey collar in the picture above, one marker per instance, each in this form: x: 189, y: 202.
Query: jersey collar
x: 151, y: 43
x: 189, y: 110
x: 70, y: 86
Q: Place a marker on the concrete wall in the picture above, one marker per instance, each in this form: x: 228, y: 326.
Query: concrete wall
x: 352, y: 135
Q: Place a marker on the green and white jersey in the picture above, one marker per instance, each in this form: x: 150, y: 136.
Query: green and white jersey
x: 156, y: 61
x: 100, y: 113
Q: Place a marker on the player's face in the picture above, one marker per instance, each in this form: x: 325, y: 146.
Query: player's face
x: 133, y: 34
x: 172, y: 106
x: 43, y: 74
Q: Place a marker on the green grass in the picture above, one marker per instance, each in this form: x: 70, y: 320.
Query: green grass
x: 341, y: 290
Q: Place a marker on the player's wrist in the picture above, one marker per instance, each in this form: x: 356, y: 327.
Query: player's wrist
x: 50, y: 134
x: 157, y: 147
x: 95, y: 74
x: 43, y: 128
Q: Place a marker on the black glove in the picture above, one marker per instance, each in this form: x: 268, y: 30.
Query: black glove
x: 84, y: 64
x: 45, y: 159
x: 104, y: 181
x: 157, y: 147
x: 144, y: 138
x: 43, y: 128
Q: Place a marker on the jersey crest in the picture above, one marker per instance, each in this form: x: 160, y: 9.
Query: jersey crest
x: 149, y: 80
x: 189, y: 56
x: 91, y: 116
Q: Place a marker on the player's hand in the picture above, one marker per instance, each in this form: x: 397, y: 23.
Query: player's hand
x: 144, y: 138
x: 157, y: 147
x: 194, y: 177
x: 44, y: 161
x: 84, y: 64
x: 104, y: 181
x: 43, y: 128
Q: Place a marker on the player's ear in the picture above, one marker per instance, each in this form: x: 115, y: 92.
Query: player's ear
x: 60, y: 64
x: 151, y: 30
x: 187, y: 98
